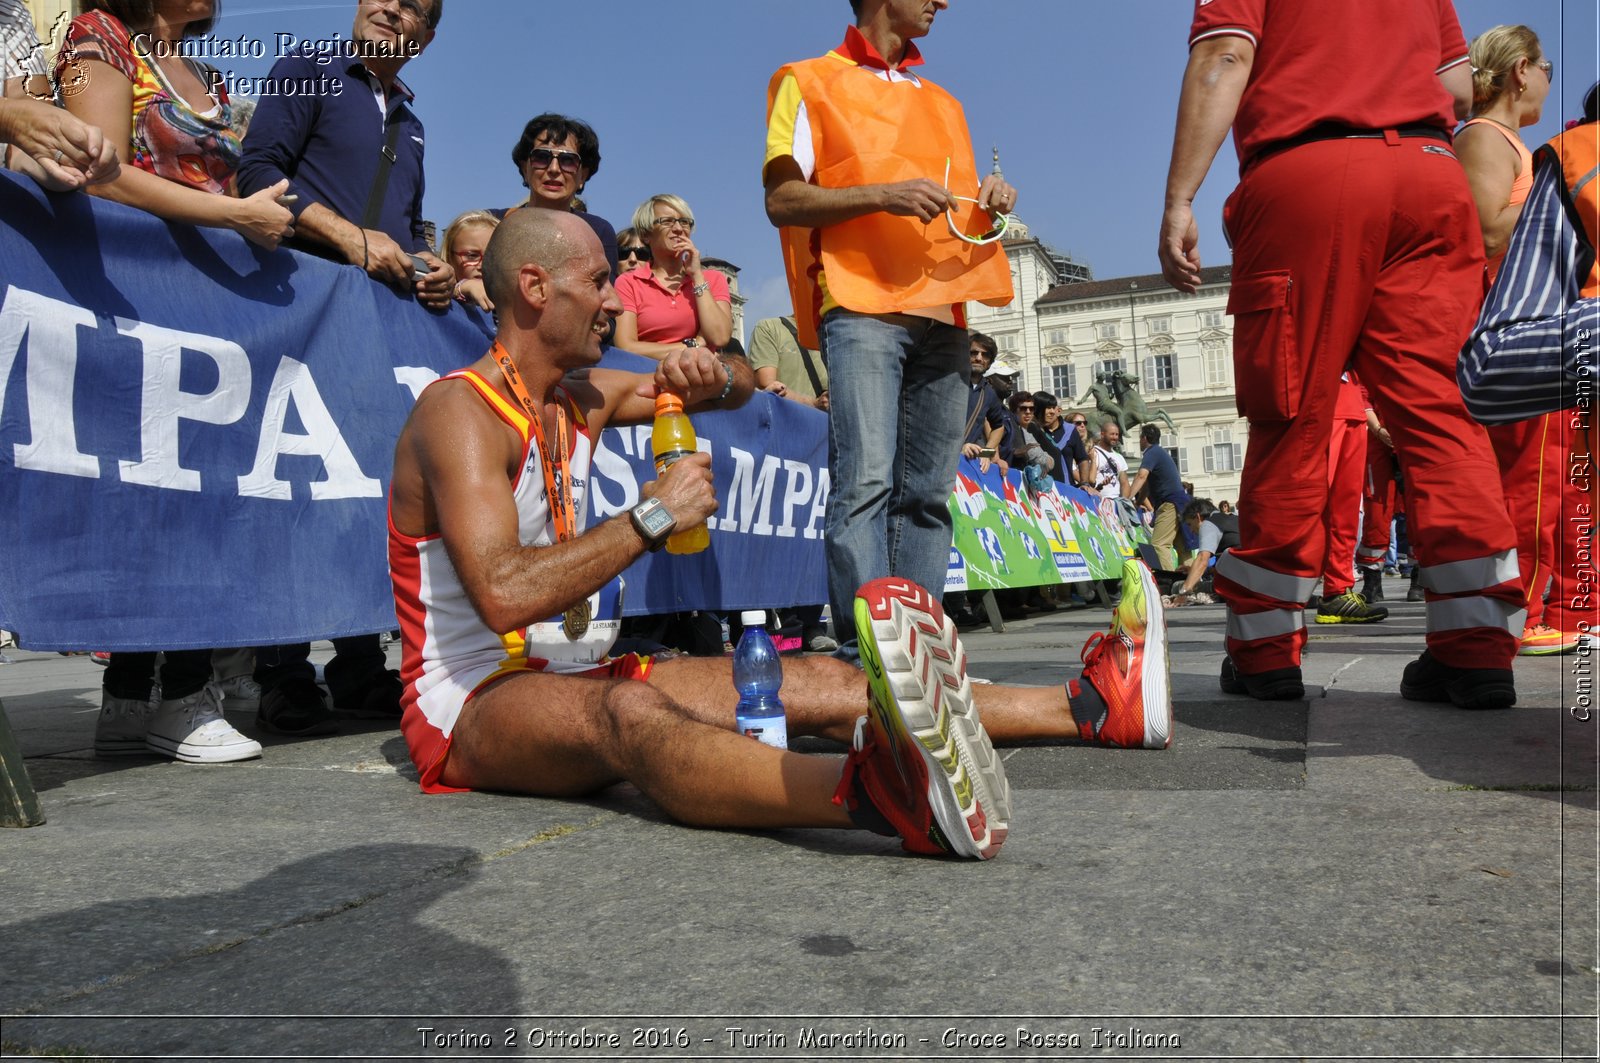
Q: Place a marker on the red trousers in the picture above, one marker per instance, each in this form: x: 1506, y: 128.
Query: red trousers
x: 1542, y: 471
x: 1532, y: 458
x: 1363, y: 253
x: 1377, y: 498
x: 1347, y: 467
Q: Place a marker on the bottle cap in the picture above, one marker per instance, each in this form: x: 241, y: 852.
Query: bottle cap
x: 667, y: 402
x: 753, y: 618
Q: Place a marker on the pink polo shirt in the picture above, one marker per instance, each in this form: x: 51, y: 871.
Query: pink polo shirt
x: 665, y: 317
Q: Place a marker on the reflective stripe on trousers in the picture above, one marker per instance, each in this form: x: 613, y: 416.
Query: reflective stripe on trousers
x: 1279, y: 586
x: 1472, y: 574
x: 1251, y: 627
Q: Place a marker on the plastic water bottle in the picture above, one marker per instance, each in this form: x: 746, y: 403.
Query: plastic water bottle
x: 672, y: 438
x: 758, y: 676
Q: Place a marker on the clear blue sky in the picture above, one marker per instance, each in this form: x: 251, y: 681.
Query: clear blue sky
x: 1079, y: 95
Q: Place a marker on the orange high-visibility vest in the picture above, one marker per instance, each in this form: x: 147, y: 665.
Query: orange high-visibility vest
x: 1579, y: 151
x: 866, y: 130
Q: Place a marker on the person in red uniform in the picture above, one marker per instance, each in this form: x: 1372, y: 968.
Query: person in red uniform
x: 1347, y: 465
x: 1356, y: 246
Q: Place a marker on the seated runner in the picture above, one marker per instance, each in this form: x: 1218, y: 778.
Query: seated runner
x: 508, y: 605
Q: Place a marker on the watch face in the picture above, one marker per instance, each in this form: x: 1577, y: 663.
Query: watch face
x: 656, y: 520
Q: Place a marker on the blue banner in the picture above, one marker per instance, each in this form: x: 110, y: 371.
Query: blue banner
x: 196, y: 438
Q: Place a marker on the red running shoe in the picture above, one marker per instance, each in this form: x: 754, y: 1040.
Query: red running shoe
x: 922, y: 759
x: 1127, y: 667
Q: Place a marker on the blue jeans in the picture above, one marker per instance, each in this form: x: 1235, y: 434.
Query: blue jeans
x: 897, y: 399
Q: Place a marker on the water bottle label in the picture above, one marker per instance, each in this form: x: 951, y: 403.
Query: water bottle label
x: 773, y: 732
x: 664, y: 460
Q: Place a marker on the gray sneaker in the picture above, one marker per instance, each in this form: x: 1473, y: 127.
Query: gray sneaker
x: 192, y: 729
x: 240, y: 693
x: 120, y: 730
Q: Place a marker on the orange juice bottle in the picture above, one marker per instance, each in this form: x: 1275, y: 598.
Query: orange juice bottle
x: 673, y: 438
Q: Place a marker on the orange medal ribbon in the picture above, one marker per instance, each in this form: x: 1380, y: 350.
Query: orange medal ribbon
x: 557, y: 475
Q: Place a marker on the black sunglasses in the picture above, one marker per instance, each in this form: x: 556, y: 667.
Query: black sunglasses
x: 567, y: 160
x: 641, y: 253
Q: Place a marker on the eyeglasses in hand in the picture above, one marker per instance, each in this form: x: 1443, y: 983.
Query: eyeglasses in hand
x: 1002, y: 221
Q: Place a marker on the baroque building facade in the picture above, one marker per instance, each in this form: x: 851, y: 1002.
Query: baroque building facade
x: 1178, y: 347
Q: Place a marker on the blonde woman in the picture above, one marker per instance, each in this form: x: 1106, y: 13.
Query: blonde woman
x: 464, y: 244
x: 1510, y: 80
x: 670, y: 301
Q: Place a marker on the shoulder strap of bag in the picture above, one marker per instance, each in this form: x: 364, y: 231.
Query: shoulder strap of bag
x: 972, y: 418
x: 811, y: 367
x: 380, y: 180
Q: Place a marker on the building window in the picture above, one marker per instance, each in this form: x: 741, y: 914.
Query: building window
x: 1181, y: 456
x: 1223, y: 454
x: 1007, y: 342
x: 1160, y: 373
x: 1061, y: 382
x: 1058, y: 338
x: 1216, y: 356
x: 1109, y: 330
x: 1160, y: 326
x: 1211, y: 319
x: 1109, y: 366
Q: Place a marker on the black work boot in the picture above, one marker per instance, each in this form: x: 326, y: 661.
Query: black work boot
x: 1372, y: 584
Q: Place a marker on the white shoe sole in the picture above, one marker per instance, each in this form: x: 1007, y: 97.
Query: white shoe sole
x: 1157, y: 694
x: 166, y: 747
x: 917, y: 671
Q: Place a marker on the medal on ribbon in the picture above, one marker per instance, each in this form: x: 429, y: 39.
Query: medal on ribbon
x: 575, y: 621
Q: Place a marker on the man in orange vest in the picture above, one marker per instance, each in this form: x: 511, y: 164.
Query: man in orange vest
x: 870, y: 177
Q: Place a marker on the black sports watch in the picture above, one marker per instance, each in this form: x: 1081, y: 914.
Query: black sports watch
x: 652, y: 521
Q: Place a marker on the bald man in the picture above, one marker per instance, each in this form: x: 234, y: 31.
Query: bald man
x: 509, y: 605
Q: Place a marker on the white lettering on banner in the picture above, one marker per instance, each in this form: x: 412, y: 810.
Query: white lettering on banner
x: 819, y: 503
x: 797, y: 494
x: 415, y: 378
x: 51, y: 328
x: 752, y: 491
x: 165, y: 403
x: 343, y: 476
x: 609, y: 465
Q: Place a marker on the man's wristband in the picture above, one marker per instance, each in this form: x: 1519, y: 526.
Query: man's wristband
x: 727, y: 387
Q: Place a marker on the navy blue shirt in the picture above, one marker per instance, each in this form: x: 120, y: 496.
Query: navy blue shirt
x: 994, y: 413
x: 1163, y: 483
x: 328, y: 144
x: 1070, y: 443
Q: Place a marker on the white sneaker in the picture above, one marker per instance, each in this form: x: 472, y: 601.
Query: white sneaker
x: 121, y: 728
x: 241, y: 693
x: 192, y: 729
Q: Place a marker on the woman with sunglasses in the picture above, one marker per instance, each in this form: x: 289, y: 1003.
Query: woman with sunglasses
x: 464, y: 244
x: 1510, y: 80
x: 631, y: 250
x: 670, y: 301
x: 556, y: 156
